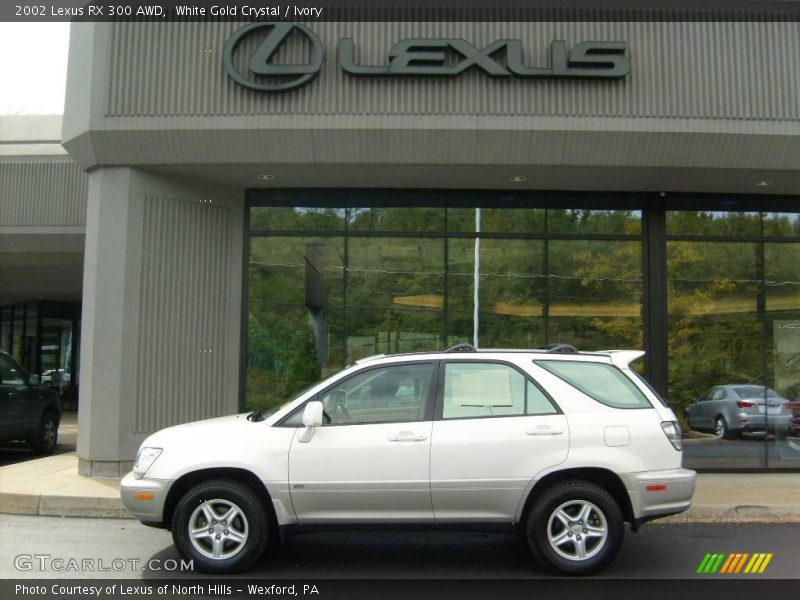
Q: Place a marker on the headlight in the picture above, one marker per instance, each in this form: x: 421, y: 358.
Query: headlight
x: 144, y: 460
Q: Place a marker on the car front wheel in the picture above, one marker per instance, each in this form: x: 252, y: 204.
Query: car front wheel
x: 46, y: 436
x: 575, y: 528
x: 221, y: 525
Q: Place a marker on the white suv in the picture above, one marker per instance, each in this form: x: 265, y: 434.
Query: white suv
x: 564, y: 446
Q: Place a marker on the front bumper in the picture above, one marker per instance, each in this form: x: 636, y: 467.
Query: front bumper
x: 670, y: 492
x: 144, y: 498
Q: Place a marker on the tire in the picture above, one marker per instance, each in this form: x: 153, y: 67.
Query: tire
x: 242, y: 540
x: 569, y: 510
x: 722, y: 430
x: 46, y: 436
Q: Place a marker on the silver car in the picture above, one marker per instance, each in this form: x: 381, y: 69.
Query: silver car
x: 733, y: 409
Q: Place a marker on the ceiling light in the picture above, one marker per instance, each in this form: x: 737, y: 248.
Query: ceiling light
x: 763, y: 183
x: 517, y: 178
x: 265, y: 177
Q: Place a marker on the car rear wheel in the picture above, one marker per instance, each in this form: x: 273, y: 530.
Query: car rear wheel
x: 575, y: 528
x: 222, y: 525
x: 46, y: 436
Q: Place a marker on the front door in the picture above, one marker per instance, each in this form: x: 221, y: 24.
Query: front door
x: 370, y: 460
x: 495, y: 430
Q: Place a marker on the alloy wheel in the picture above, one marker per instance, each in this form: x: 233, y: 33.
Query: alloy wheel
x: 577, y: 530
x: 218, y: 529
x: 49, y: 433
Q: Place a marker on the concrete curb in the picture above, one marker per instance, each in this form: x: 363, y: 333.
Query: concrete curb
x: 62, y: 506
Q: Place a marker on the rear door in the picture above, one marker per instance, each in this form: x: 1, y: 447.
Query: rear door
x: 494, y: 430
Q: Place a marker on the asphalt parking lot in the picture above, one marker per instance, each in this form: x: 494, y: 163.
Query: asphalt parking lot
x: 656, y: 551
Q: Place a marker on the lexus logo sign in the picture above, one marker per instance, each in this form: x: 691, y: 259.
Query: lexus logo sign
x: 418, y: 57
x: 261, y: 64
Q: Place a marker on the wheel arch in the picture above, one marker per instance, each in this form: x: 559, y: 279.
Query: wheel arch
x: 603, y: 477
x: 188, y: 480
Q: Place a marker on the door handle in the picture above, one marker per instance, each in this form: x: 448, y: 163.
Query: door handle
x: 408, y: 436
x: 545, y: 430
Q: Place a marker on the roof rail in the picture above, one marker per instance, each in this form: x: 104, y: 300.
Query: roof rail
x: 558, y: 348
x: 460, y: 348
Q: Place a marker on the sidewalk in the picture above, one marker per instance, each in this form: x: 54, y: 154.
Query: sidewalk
x: 51, y: 486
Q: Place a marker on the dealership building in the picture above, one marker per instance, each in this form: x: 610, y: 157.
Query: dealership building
x: 229, y: 211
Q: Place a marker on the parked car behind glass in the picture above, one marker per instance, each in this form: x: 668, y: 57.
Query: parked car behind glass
x: 733, y: 409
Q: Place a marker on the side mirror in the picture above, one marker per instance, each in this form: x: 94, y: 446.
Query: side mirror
x: 312, y: 418
x: 34, y: 379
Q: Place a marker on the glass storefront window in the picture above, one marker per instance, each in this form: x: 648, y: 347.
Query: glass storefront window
x: 585, y: 221
x: 44, y: 336
x: 297, y: 218
x: 497, y: 220
x: 595, y: 291
x: 395, y: 295
x: 295, y: 315
x: 395, y: 219
x: 401, y: 279
x: 782, y: 290
x: 777, y: 224
x: 716, y: 223
x: 512, y: 287
x: 331, y: 285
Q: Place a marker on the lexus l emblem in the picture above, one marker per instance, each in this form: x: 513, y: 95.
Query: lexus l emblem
x: 271, y: 77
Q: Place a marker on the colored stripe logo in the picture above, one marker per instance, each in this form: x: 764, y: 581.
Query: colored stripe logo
x: 735, y: 563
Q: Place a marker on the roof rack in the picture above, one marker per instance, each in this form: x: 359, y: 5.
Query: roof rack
x: 558, y: 348
x: 460, y: 348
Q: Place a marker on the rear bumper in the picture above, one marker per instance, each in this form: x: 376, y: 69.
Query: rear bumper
x: 670, y: 492
x: 144, y: 498
x: 771, y: 423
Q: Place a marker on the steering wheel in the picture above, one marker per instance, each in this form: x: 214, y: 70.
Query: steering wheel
x: 342, y: 414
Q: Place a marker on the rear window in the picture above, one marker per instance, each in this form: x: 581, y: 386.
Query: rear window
x: 754, y: 391
x: 603, y: 382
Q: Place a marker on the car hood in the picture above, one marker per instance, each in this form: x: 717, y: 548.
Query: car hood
x: 231, y: 427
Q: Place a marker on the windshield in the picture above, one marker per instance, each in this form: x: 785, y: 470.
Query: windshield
x: 262, y: 413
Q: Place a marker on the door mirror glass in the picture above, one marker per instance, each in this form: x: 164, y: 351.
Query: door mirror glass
x: 34, y: 379
x: 312, y: 418
x: 312, y: 415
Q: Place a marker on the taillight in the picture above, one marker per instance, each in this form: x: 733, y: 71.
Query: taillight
x: 673, y: 432
x: 745, y: 404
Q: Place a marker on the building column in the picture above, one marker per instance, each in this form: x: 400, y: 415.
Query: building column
x: 160, y: 326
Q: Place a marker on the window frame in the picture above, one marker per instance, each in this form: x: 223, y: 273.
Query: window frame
x: 439, y: 403
x: 13, y: 364
x: 429, y: 404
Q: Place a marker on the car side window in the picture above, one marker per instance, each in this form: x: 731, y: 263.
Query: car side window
x: 475, y: 389
x: 392, y: 394
x: 9, y: 374
x: 719, y: 394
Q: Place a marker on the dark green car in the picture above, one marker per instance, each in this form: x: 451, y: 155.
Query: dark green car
x: 28, y: 411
